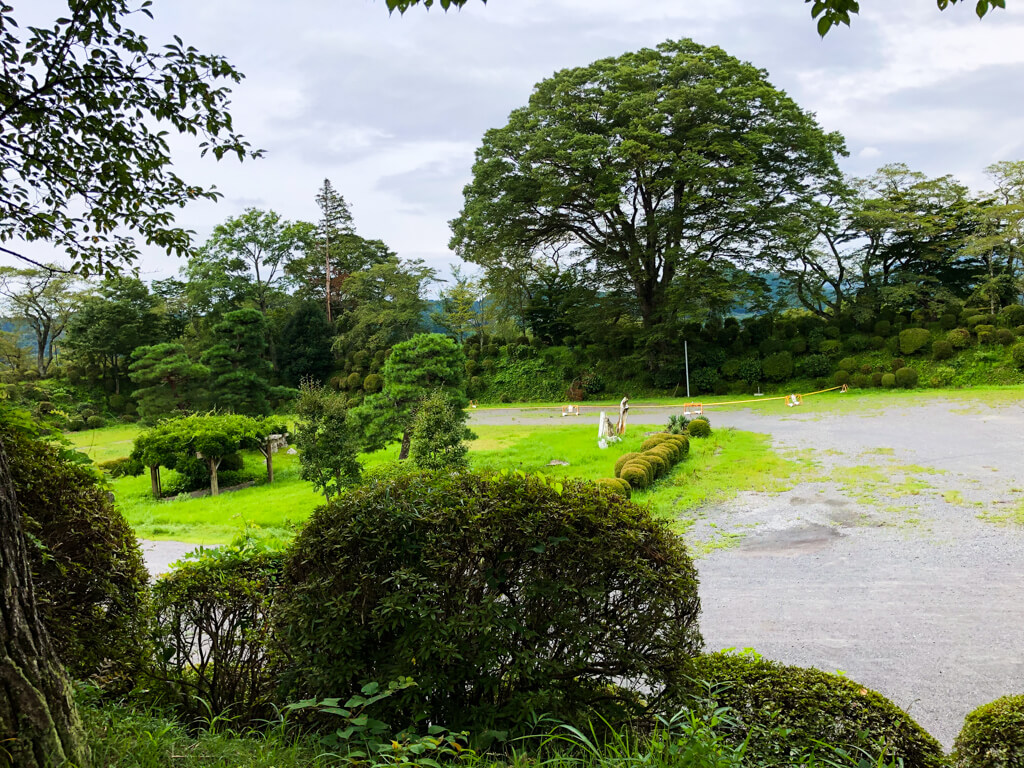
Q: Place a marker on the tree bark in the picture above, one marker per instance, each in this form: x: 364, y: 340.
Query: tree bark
x: 214, y: 484
x: 39, y: 725
x: 154, y: 481
x: 406, y: 443
x: 268, y: 454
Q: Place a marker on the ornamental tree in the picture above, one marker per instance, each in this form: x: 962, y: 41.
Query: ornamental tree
x: 327, y: 441
x: 426, y: 362
x: 439, y: 434
x: 166, y: 380
x: 238, y: 369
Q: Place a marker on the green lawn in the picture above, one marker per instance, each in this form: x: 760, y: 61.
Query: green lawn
x: 718, y: 467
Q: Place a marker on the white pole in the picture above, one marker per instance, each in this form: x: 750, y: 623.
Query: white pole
x: 686, y: 356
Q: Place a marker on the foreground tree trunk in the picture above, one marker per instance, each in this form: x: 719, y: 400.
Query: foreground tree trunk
x: 39, y: 725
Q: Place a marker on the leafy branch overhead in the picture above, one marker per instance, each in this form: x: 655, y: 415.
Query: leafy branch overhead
x: 829, y: 13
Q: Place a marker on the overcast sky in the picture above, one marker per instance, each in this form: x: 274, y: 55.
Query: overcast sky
x: 391, y: 108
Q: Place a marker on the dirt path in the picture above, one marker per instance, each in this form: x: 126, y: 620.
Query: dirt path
x: 880, y: 567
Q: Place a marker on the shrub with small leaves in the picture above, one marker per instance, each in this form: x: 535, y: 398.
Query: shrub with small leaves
x: 860, y: 381
x: 992, y: 736
x: 942, y: 350
x: 76, y: 424
x: 897, y: 363
x: 986, y: 333
x: 354, y: 381
x: 1011, y: 316
x: 615, y: 485
x: 1017, y: 355
x: 622, y: 461
x: 699, y: 428
x: 373, y: 383
x: 883, y: 328
x: 876, y: 379
x: 439, y: 434
x: 778, y: 367
x: 95, y: 422
x: 635, y: 475
x: 840, y: 377
x: 462, y: 581
x: 1005, y: 337
x: 654, y: 440
x: 122, y: 467
x: 848, y: 364
x: 959, y: 338
x: 661, y: 465
x: 913, y: 340
x: 815, y: 366
x: 906, y: 378
x: 889, y: 380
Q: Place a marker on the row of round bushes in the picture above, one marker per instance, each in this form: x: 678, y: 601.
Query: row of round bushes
x: 656, y: 457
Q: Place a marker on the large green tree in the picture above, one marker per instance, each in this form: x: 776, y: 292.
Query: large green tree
x: 642, y: 165
x: 166, y: 381
x: 86, y: 106
x: 306, y: 345
x: 239, y: 371
x: 327, y: 440
x: 426, y: 362
x: 43, y: 299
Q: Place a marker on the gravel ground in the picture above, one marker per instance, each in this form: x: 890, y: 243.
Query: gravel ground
x: 907, y: 592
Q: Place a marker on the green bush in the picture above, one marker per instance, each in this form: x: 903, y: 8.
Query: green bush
x: 1005, y: 337
x: 669, y: 450
x: 1017, y: 355
x: 906, y: 378
x: 699, y: 428
x: 354, y: 381
x: 876, y: 379
x: 683, y: 442
x: 654, y: 440
x: 840, y: 377
x: 986, y: 333
x: 373, y: 383
x: 95, y: 422
x: 439, y: 434
x: 116, y: 403
x: 502, y: 596
x: 210, y: 618
x: 622, y: 461
x: 897, y: 363
x: 889, y: 380
x: 786, y: 709
x: 830, y: 347
x: 778, y: 367
x: 883, y: 328
x: 975, y: 320
x: 878, y: 342
x: 615, y: 485
x: 959, y: 338
x: 913, y: 340
x: 90, y: 580
x: 992, y: 736
x: 848, y: 364
x: 860, y: 381
x: 122, y: 467
x: 948, y: 321
x: 75, y: 424
x: 816, y: 366
x: 942, y: 350
x: 636, y: 475
x: 660, y: 463
x: 1011, y: 316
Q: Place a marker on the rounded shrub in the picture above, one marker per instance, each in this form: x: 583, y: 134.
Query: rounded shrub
x: 883, y: 328
x: 1011, y: 316
x: 778, y: 366
x: 219, y: 600
x: 986, y: 333
x: 461, y: 582
x: 90, y: 580
x: 669, y: 450
x: 1017, y: 355
x: 612, y: 484
x: 622, y: 461
x: 848, y: 364
x: 643, y: 460
x: 860, y: 381
x: 897, y: 363
x: 959, y: 338
x: 660, y: 464
x: 785, y: 710
x: 913, y: 340
x: 840, y: 377
x: 815, y: 366
x: 654, y: 440
x: 942, y: 350
x: 635, y: 475
x: 95, y: 422
x: 116, y: 403
x: 684, y: 445
x: 889, y: 380
x: 699, y: 428
x: 866, y: 369
x: 373, y: 383
x: 992, y: 736
x: 354, y: 381
x: 1005, y: 336
x: 906, y: 378
x: 830, y: 347
x: 471, y: 367
x: 76, y: 424
x: 948, y: 321
x: 876, y: 379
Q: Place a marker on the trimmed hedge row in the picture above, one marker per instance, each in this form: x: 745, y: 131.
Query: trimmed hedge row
x: 657, y: 455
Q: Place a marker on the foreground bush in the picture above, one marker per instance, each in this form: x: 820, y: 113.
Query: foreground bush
x: 211, y: 631
x: 699, y: 428
x: 785, y: 710
x: 87, y: 567
x: 992, y: 736
x: 500, y: 596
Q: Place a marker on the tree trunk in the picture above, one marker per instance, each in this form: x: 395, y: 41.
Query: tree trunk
x: 268, y: 453
x: 154, y: 481
x: 39, y: 725
x: 214, y: 485
x: 406, y: 442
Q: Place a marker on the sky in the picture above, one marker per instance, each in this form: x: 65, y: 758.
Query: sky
x: 391, y: 108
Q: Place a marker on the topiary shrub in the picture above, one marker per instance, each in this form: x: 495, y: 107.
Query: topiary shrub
x: 785, y: 710
x: 636, y: 475
x: 116, y: 403
x: 500, y: 595
x: 354, y: 381
x: 948, y: 321
x: 889, y: 380
x: 654, y: 440
x: 815, y: 366
x: 876, y: 379
x: 668, y: 450
x: 848, y: 364
x: 913, y: 340
x: 684, y: 444
x: 1011, y: 316
x: 660, y: 463
x: 942, y: 350
x: 622, y: 461
x: 866, y: 369
x: 906, y: 378
x: 896, y: 364
x: 373, y: 383
x: 1005, y: 337
x: 992, y: 736
x: 830, y: 347
x: 986, y: 333
x: 883, y: 328
x: 76, y: 424
x: 614, y: 484
x: 699, y: 428
x: 90, y: 580
x: 860, y: 381
x: 840, y: 377
x: 1017, y: 355
x: 95, y: 422
x: 959, y: 338
x: 778, y: 367
x: 210, y: 618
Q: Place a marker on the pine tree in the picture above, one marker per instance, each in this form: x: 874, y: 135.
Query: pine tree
x: 166, y: 380
x: 238, y: 370
x: 335, y: 223
x: 306, y: 345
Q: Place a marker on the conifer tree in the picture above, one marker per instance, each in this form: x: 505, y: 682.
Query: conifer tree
x: 238, y: 370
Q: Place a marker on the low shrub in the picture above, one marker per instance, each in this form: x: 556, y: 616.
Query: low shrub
x: 668, y: 450
x: 878, y: 342
x: 942, y: 350
x: 615, y: 485
x: 90, y: 580
x: 95, y: 422
x: 866, y: 369
x: 897, y: 363
x: 122, y: 467
x: 1017, y: 355
x: 635, y: 475
x: 211, y: 618
x: 848, y: 364
x: 1005, y: 336
x: 883, y: 328
x: 622, y: 461
x: 906, y: 378
x: 830, y: 347
x: 654, y: 440
x: 860, y: 381
x: 797, y: 709
x: 461, y: 581
x: 1011, y: 316
x: 876, y: 379
x: 354, y: 381
x: 986, y: 333
x: 959, y: 338
x: 975, y: 320
x: 661, y: 465
x: 76, y: 424
x: 913, y: 340
x: 778, y: 366
x: 889, y: 380
x: 373, y: 383
x: 814, y: 366
x: 683, y: 443
x: 992, y: 736
x: 116, y: 403
x: 699, y: 428
x: 840, y: 377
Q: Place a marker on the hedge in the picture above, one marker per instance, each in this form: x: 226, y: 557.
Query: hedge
x: 992, y: 736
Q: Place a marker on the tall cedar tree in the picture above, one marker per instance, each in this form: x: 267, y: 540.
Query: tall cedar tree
x: 306, y: 345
